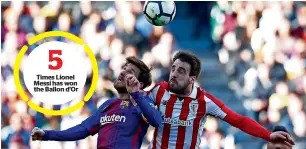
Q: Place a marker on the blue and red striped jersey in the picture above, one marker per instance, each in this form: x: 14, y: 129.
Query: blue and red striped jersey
x: 119, y: 124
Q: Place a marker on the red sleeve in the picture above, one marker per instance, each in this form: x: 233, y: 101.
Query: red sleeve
x: 161, y: 84
x: 244, y: 123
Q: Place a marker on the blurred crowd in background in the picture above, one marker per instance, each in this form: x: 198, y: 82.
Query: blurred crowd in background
x: 260, y: 44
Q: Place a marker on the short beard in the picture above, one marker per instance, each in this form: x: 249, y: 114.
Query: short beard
x: 121, y: 90
x: 180, y: 91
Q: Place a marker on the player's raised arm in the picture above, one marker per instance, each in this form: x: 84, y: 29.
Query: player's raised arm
x: 145, y: 103
x: 216, y: 108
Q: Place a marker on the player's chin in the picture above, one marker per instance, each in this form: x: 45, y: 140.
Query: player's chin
x: 173, y: 85
x: 119, y: 84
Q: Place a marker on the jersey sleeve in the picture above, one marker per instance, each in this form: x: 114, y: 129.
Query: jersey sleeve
x: 72, y: 134
x: 89, y: 126
x: 217, y: 108
x: 92, y: 123
x: 147, y: 108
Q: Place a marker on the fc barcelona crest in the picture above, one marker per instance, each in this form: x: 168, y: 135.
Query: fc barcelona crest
x: 193, y: 108
x: 124, y: 104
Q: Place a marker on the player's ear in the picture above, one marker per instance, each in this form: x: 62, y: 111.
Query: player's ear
x: 192, y: 79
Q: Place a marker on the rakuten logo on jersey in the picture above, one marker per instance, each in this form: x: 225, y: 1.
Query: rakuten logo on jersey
x: 106, y: 119
x: 177, y: 122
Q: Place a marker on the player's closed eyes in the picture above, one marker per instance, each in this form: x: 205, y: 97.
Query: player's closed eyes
x: 181, y: 71
x: 172, y: 68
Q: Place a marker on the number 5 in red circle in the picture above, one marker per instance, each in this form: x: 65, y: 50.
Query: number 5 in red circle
x: 53, y: 57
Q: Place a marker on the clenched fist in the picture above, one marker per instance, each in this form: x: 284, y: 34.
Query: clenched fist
x: 37, y: 134
x: 132, y: 84
x: 283, y: 137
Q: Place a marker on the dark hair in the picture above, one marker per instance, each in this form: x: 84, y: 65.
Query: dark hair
x: 145, y: 72
x: 280, y: 128
x: 195, y: 63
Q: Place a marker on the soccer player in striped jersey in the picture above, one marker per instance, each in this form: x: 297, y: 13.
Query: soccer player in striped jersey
x: 185, y: 107
x: 122, y: 122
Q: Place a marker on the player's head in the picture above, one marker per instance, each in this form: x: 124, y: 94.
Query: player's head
x: 185, y: 69
x: 136, y: 67
x: 278, y: 145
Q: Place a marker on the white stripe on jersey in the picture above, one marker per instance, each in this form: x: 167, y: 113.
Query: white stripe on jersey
x: 200, y: 130
x: 153, y: 94
x: 174, y: 127
x: 188, y: 131
x: 211, y: 109
x: 162, y: 110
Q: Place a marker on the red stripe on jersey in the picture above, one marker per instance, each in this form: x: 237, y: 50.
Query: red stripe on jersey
x: 168, y: 114
x: 159, y: 96
x: 154, y: 138
x: 164, y: 85
x: 102, y: 141
x: 135, y: 138
x: 181, y: 129
x: 200, y: 113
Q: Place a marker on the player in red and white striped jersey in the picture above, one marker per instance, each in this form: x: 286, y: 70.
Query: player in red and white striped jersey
x: 184, y: 108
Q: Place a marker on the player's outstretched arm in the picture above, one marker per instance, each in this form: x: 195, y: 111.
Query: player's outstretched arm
x: 89, y: 126
x: 145, y: 103
x: 246, y: 124
x: 72, y: 134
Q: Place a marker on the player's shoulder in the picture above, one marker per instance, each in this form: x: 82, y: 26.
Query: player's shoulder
x: 160, y: 85
x: 107, y: 103
x: 163, y: 84
x: 199, y: 91
x: 208, y: 97
x: 203, y: 94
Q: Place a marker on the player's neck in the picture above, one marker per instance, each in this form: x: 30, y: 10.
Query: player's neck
x: 187, y: 92
x: 125, y: 96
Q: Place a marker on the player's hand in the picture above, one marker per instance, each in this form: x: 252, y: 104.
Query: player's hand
x: 37, y: 134
x: 283, y: 137
x: 132, y: 84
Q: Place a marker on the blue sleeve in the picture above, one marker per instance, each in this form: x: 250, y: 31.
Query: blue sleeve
x: 72, y: 134
x: 90, y: 126
x: 147, y: 108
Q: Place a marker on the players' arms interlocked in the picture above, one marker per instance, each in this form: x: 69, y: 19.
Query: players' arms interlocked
x: 151, y: 115
x: 244, y: 123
